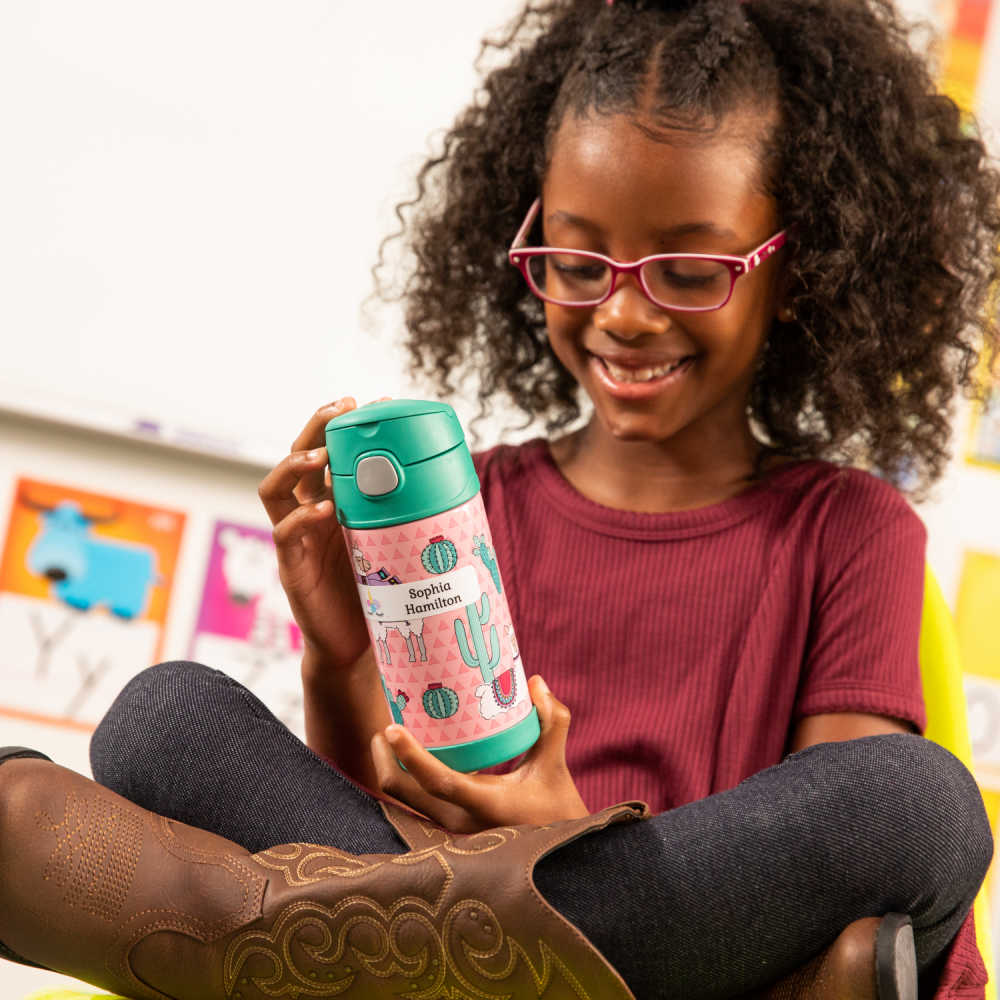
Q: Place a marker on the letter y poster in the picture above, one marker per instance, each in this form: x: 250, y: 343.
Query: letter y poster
x: 85, y: 581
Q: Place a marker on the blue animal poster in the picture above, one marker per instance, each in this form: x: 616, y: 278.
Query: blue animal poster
x: 85, y: 583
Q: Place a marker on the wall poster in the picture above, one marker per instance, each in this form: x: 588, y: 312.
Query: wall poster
x: 85, y: 583
x: 245, y: 626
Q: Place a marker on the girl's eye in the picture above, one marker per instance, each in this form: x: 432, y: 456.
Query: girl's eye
x: 569, y: 276
x: 685, y: 273
x: 573, y: 268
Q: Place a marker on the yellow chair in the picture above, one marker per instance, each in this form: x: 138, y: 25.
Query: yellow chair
x: 947, y: 724
x: 941, y: 675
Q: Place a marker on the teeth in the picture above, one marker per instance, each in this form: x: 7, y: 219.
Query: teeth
x: 639, y: 374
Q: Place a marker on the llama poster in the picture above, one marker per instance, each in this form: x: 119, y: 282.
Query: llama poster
x: 245, y: 626
x: 85, y: 583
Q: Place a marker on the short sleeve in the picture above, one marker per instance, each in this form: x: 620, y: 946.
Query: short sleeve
x: 863, y: 647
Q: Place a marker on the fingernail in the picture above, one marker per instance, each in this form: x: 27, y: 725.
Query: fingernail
x: 393, y: 734
x: 545, y: 687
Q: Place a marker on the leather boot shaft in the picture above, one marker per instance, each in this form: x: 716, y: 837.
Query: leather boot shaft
x: 95, y: 887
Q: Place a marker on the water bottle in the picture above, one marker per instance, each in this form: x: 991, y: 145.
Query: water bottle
x: 408, y: 499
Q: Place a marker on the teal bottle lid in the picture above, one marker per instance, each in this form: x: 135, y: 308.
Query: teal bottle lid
x: 398, y: 461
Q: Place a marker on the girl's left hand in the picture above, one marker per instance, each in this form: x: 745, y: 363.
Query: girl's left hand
x: 539, y: 791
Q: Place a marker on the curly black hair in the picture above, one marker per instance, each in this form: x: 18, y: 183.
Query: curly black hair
x: 891, y: 197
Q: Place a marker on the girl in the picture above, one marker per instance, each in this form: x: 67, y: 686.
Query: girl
x: 750, y: 246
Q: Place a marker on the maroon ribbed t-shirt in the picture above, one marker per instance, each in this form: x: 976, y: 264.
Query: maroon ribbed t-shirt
x: 687, y: 645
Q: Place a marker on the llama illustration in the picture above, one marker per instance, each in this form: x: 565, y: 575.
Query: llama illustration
x: 500, y: 696
x: 410, y: 629
x: 508, y: 631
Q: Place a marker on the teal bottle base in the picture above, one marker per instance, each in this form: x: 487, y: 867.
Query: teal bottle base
x: 493, y: 749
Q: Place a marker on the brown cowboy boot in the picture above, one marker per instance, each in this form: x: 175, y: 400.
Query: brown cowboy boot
x: 872, y: 959
x: 94, y: 886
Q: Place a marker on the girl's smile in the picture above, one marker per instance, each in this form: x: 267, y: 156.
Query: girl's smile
x: 637, y: 376
x: 676, y: 381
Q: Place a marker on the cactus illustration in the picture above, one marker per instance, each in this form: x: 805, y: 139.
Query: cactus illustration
x: 397, y: 704
x: 485, y: 658
x: 439, y: 555
x: 481, y: 549
x: 440, y: 702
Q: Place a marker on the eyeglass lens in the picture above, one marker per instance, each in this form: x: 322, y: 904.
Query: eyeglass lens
x: 685, y: 282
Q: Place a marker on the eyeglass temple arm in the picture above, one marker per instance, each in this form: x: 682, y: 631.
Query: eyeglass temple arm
x: 756, y: 257
x: 522, y: 233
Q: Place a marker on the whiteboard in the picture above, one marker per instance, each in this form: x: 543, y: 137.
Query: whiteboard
x: 192, y: 195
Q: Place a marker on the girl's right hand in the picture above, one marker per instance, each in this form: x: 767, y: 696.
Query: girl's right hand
x: 314, y: 564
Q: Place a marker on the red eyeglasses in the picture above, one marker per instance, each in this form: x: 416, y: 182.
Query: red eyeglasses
x: 691, y: 282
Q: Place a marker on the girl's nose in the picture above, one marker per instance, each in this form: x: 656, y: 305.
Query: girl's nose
x: 629, y: 313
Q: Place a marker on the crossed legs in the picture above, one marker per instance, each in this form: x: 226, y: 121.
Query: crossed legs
x: 707, y: 900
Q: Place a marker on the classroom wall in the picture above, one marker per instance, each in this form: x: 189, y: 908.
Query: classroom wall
x: 51, y: 432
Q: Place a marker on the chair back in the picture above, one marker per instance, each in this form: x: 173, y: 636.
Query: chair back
x: 947, y: 723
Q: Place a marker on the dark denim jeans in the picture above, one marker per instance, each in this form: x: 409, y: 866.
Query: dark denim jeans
x: 707, y: 900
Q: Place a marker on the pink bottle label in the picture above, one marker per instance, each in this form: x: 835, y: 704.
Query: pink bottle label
x: 440, y: 626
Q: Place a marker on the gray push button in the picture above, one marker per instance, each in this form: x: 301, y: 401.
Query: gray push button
x: 376, y: 476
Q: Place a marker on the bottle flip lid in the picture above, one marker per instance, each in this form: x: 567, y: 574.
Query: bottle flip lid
x: 397, y: 461
x: 411, y: 430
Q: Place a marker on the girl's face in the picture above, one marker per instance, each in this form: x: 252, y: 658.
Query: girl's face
x: 613, y: 189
